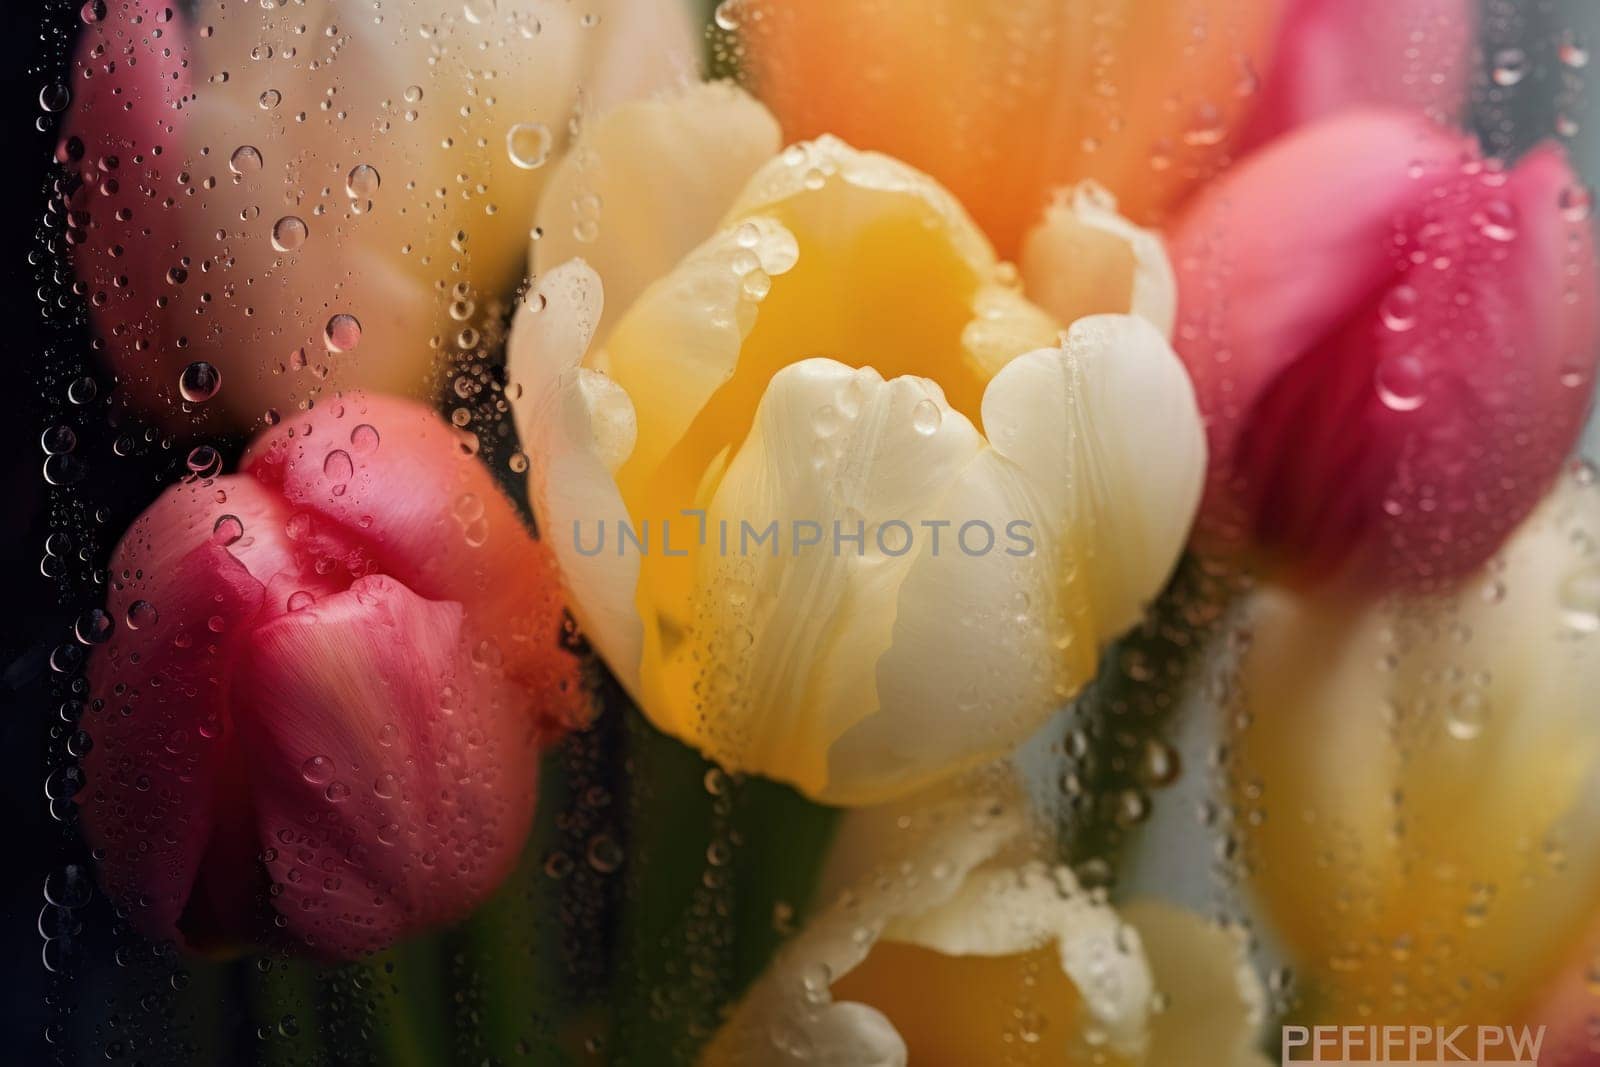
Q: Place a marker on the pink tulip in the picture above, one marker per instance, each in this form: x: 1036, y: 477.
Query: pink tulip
x: 1393, y: 342
x: 326, y: 688
x: 1330, y: 55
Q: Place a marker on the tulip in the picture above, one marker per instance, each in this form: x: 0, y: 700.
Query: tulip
x: 1393, y: 341
x: 302, y: 199
x: 1012, y: 101
x: 952, y: 947
x: 1330, y: 55
x: 1418, y: 778
x: 324, y: 691
x: 821, y: 361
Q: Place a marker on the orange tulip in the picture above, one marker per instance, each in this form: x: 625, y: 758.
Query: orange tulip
x: 1004, y: 103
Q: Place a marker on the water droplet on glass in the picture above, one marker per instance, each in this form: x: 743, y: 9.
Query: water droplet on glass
x: 1580, y: 601
x: 1510, y: 67
x: 1399, y: 308
x: 246, y: 159
x: 289, y: 233
x: 1498, y: 221
x: 1573, y: 50
x: 142, y: 615
x: 364, y: 439
x: 317, y: 770
x: 528, y: 144
x: 1400, y: 382
x: 227, y: 530
x: 94, y: 627
x: 55, y: 97
x: 1576, y: 202
x: 362, y: 182
x: 342, y: 334
x: 337, y: 466
x: 1467, y: 715
x: 204, y: 461
x: 199, y: 382
x: 270, y: 99
x: 70, y: 887
x: 58, y: 440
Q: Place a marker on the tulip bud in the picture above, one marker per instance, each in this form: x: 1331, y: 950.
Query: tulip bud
x: 1417, y: 778
x: 301, y: 203
x: 1393, y: 342
x: 326, y: 690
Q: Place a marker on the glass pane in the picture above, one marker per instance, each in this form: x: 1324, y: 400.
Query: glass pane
x: 803, y: 532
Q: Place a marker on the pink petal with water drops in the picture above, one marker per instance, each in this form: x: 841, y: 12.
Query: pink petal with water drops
x: 450, y: 534
x: 160, y: 790
x: 1336, y: 54
x: 394, y: 778
x: 1392, y: 340
x: 122, y: 148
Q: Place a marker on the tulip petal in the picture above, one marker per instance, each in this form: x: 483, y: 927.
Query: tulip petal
x: 393, y: 777
x: 1214, y: 1003
x: 161, y: 778
x: 1336, y: 54
x: 452, y: 533
x: 834, y: 451
x: 1351, y: 363
x: 577, y: 427
x: 930, y: 954
x: 647, y: 183
x: 1085, y: 259
x: 1471, y: 709
x: 243, y: 296
x: 1015, y: 100
x: 1097, y: 452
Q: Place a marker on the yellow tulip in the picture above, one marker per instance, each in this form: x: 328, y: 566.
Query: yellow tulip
x: 1004, y: 103
x: 815, y: 336
x: 952, y: 947
x: 1419, y: 781
x: 302, y: 198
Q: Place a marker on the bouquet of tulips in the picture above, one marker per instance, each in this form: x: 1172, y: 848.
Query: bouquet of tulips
x: 852, y: 532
